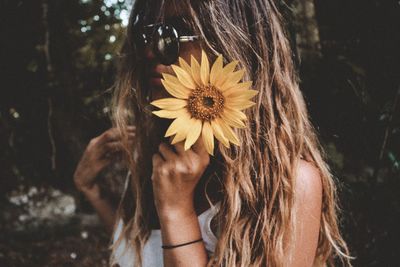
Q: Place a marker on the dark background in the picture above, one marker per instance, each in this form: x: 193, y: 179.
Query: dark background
x: 57, y: 64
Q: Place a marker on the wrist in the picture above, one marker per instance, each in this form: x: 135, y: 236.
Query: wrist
x: 92, y: 192
x: 81, y: 186
x: 173, y: 214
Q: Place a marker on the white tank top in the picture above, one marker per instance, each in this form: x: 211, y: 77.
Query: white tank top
x: 124, y: 254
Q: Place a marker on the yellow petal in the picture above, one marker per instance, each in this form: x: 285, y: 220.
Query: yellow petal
x: 195, y: 70
x: 216, y: 69
x: 204, y: 68
x: 176, y: 89
x: 228, y: 69
x: 232, y: 80
x: 184, y: 65
x: 181, y: 133
x: 208, y: 137
x: 169, y: 103
x: 178, y: 125
x: 236, y: 113
x: 219, y: 134
x: 173, y: 128
x: 193, y: 133
x: 169, y: 114
x: 240, y: 105
x: 180, y: 136
x: 171, y: 78
x: 238, y: 87
x: 184, y: 77
x: 228, y: 133
x: 241, y: 94
x: 232, y: 120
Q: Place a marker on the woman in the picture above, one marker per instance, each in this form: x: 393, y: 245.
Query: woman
x: 269, y: 201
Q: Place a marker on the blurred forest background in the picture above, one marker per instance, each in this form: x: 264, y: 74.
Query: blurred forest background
x: 58, y: 63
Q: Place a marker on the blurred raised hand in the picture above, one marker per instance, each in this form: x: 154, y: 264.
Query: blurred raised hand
x: 99, y: 153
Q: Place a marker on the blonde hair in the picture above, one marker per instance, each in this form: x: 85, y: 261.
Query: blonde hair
x: 257, y: 178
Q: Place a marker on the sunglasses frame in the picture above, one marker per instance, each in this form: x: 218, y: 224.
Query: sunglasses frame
x: 148, y: 38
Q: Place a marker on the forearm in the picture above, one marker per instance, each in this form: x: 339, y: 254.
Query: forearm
x: 103, y: 208
x: 178, y: 229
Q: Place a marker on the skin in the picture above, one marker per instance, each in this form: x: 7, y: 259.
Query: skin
x: 99, y: 153
x: 307, y: 207
x: 175, y: 175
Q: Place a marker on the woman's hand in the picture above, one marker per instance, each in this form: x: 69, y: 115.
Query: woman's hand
x: 175, y: 175
x: 99, y: 153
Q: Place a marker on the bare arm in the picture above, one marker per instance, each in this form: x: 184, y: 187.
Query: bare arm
x: 99, y: 153
x: 103, y: 208
x: 307, y: 207
x: 181, y: 228
x: 175, y: 175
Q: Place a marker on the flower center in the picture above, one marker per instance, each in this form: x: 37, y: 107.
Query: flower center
x: 206, y: 103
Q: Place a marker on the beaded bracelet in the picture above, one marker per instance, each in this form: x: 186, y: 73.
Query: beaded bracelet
x: 179, y: 245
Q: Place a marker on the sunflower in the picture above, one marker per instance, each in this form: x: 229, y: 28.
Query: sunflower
x: 205, y: 102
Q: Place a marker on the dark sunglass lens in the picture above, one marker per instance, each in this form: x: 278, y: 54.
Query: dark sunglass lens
x: 166, y: 44
x: 140, y: 41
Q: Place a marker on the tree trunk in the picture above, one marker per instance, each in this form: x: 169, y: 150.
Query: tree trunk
x: 307, y: 32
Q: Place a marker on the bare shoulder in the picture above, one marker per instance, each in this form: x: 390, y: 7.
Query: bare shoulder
x: 308, y: 185
x: 307, y: 211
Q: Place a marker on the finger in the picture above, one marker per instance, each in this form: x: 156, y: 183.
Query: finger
x: 105, y: 161
x: 112, y: 155
x: 111, y: 147
x: 200, y: 150
x: 199, y: 147
x: 180, y: 148
x: 131, y: 134
x: 166, y: 152
x: 111, y: 134
x: 106, y: 156
x: 157, y: 160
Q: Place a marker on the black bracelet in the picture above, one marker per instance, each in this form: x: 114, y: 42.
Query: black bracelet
x: 179, y: 245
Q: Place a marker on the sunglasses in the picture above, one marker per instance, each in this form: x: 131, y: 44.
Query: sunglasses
x: 163, y: 38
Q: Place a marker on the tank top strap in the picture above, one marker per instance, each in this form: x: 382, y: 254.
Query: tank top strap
x: 205, y: 221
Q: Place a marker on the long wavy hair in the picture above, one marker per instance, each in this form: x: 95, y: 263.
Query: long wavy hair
x: 256, y: 179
